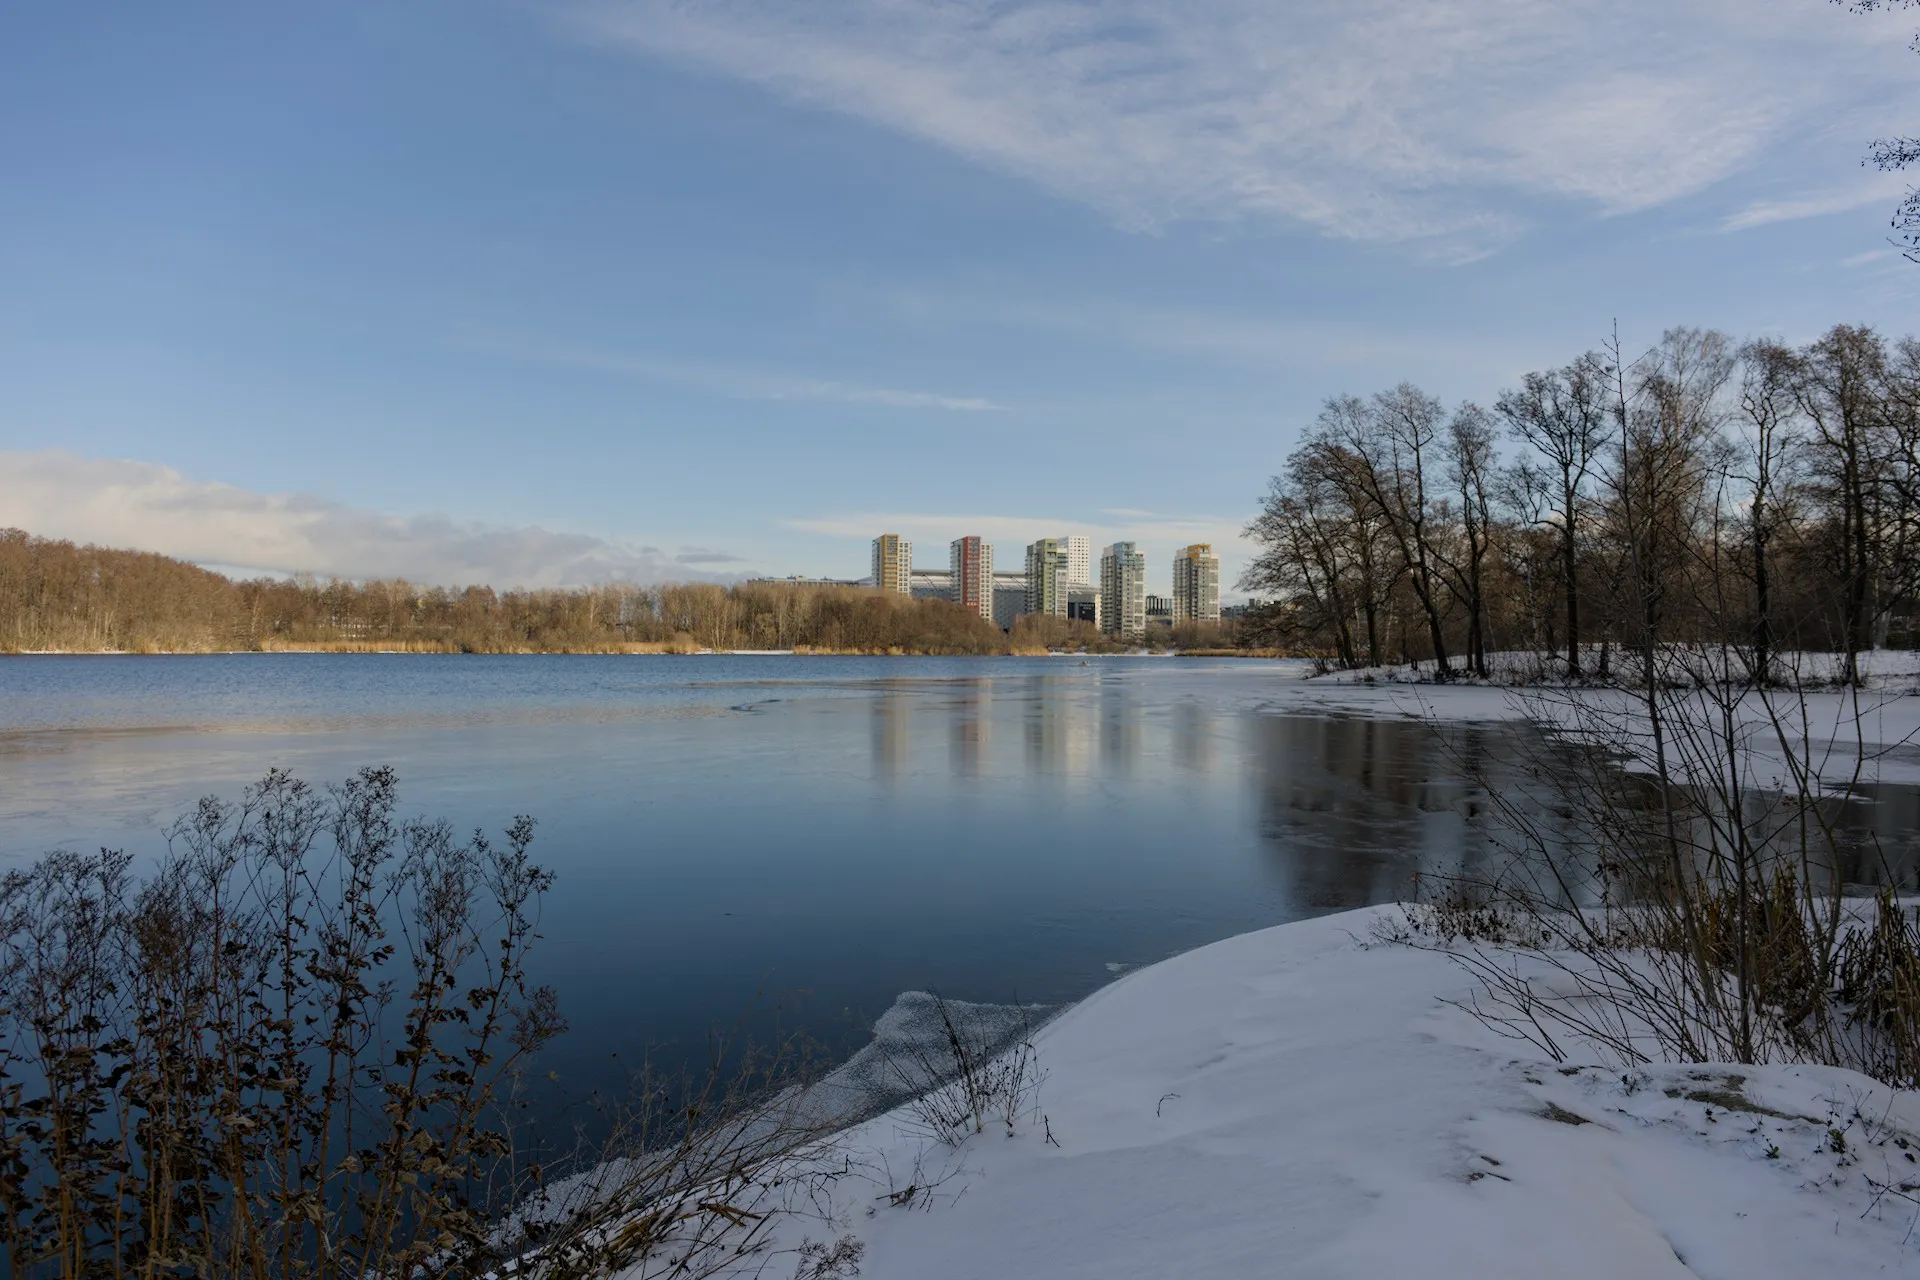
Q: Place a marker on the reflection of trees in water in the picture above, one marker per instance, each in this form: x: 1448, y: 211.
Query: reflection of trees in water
x: 1884, y: 824
x: 1875, y: 830
x: 1352, y: 808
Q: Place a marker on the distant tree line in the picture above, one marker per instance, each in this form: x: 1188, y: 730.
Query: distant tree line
x: 1757, y: 495
x: 58, y: 596
x: 1035, y: 632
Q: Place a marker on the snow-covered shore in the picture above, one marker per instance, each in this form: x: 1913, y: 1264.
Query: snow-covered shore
x: 1302, y: 1101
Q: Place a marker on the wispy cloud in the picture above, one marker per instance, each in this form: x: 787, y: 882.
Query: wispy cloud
x: 1869, y: 257
x: 1363, y: 118
x: 1234, y: 339
x: 1882, y: 188
x: 729, y: 381
x: 1301, y: 351
x: 145, y: 506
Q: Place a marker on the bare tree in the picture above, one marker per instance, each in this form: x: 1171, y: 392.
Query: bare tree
x: 1562, y: 414
x: 1763, y: 469
x: 1471, y: 467
x: 1839, y: 389
x: 1321, y: 531
x: 1394, y: 438
x: 1660, y: 480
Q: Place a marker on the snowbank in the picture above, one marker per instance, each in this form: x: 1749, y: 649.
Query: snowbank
x: 1302, y: 1102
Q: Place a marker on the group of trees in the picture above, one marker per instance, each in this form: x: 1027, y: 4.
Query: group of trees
x: 1037, y: 632
x: 754, y: 615
x: 58, y: 596
x: 54, y: 595
x: 1762, y: 495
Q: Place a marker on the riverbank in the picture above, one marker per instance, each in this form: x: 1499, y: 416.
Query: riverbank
x: 1305, y: 1101
x: 679, y: 648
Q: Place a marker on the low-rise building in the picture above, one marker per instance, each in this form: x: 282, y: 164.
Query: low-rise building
x: 1083, y: 604
x: 1009, y: 597
x: 797, y: 581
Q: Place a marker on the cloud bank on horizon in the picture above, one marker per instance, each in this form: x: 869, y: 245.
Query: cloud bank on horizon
x: 148, y: 507
x: 145, y: 506
x: 1368, y: 119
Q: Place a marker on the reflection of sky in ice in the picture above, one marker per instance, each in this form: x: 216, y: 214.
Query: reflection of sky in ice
x: 725, y: 826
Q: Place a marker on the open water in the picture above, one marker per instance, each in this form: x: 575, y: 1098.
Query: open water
x: 828, y: 832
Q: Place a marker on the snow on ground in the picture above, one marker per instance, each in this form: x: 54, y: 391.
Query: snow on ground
x: 1302, y: 1102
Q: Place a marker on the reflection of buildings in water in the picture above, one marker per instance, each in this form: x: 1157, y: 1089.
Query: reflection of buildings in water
x: 1352, y: 808
x: 1192, y: 740
x: 890, y: 725
x: 1081, y: 728
x: 1060, y: 731
x: 969, y: 729
x: 1123, y: 731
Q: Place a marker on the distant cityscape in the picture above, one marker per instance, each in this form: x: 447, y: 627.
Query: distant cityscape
x: 1058, y: 578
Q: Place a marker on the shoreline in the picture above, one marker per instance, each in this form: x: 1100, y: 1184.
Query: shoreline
x: 1307, y: 1092
x: 645, y: 650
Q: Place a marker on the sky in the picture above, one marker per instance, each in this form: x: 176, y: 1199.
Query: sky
x: 553, y: 293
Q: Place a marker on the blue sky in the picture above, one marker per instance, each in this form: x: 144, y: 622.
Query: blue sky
x: 549, y: 293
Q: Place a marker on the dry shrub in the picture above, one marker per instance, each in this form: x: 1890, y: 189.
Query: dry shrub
x: 292, y: 1050
x: 1879, y: 984
x: 279, y: 1055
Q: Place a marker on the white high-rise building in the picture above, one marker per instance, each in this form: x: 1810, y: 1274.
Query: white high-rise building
x: 893, y: 563
x: 973, y: 575
x: 1123, y: 591
x: 1047, y: 577
x: 1079, y: 549
x: 1196, y: 584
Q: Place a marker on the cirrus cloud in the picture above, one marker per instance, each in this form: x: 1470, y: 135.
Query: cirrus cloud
x: 1361, y: 118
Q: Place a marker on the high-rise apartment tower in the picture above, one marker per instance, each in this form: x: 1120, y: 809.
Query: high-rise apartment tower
x: 1079, y: 549
x: 973, y: 575
x: 1123, y: 591
x: 1196, y: 584
x: 1047, y: 577
x: 893, y: 563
